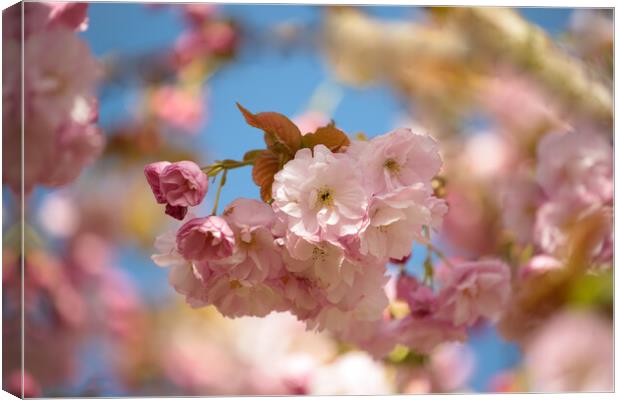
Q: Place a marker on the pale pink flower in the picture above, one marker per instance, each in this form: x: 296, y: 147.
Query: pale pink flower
x: 320, y: 262
x: 395, y: 159
x: 474, y: 290
x: 576, y: 165
x: 234, y: 298
x: 208, y: 239
x: 180, y: 108
x: 320, y: 194
x: 363, y: 299
x: 183, y: 184
x: 256, y: 257
x: 396, y: 219
x: 572, y: 352
x: 184, y: 276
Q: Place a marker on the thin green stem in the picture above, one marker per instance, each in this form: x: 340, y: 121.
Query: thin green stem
x: 219, y: 191
x: 439, y: 253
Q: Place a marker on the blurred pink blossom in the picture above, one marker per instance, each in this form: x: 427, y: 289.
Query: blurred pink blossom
x: 572, y: 352
x: 576, y: 165
x: 178, y: 107
x: 475, y: 289
x: 452, y: 364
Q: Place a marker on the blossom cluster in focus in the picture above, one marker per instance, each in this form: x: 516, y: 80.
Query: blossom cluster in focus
x: 338, y: 212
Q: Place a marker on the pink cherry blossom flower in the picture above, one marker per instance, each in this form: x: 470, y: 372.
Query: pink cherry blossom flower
x: 53, y: 83
x: 398, y: 158
x: 321, y: 194
x: 576, y: 164
x: 363, y: 299
x: 235, y: 299
x: 183, y: 184
x: 152, y: 172
x: 184, y: 276
x: 321, y: 262
x: 474, y: 290
x: 255, y: 257
x: 208, y: 238
x: 396, y: 219
x: 572, y: 352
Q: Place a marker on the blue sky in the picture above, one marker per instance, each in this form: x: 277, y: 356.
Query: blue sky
x: 263, y: 80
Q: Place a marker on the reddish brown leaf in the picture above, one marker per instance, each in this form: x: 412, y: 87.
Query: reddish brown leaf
x: 265, y: 167
x: 281, y: 134
x: 330, y: 136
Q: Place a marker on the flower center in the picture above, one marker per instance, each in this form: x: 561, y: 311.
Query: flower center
x: 325, y: 197
x: 234, y: 284
x: 318, y: 253
x: 392, y: 165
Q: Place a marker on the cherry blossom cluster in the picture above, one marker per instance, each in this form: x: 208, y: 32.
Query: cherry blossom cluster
x: 320, y: 246
x: 60, y: 108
